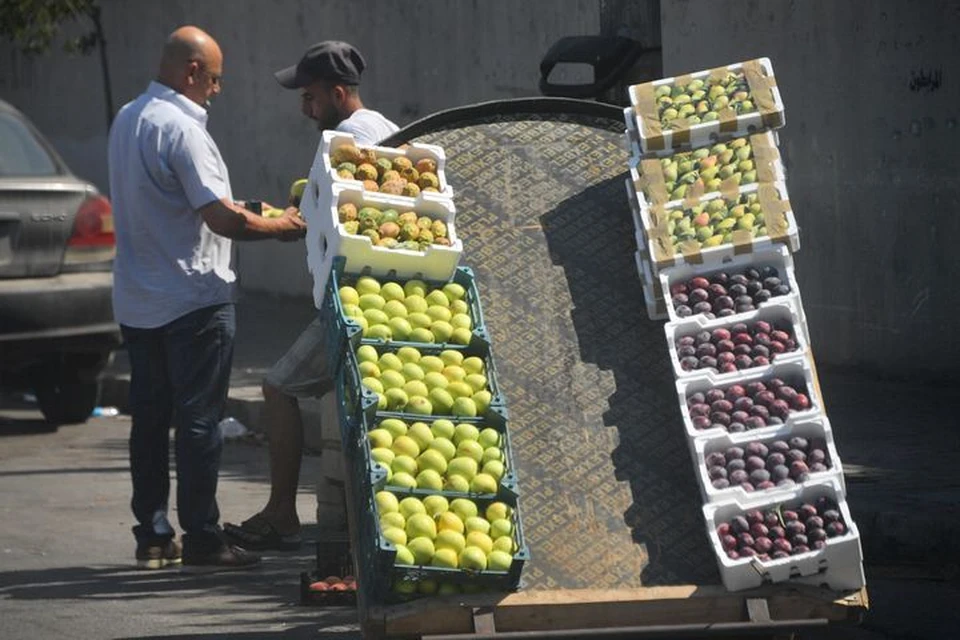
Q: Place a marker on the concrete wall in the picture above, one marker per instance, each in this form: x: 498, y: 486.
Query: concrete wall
x: 422, y: 57
x: 871, y: 92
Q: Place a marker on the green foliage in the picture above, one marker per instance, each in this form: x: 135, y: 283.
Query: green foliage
x: 33, y: 25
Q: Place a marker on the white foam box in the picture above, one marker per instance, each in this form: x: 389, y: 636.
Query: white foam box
x: 781, y: 226
x: 797, y: 371
x: 649, y: 184
x: 781, y: 310
x: 652, y: 294
x: 415, y: 152
x: 838, y: 566
x: 808, y: 427
x: 644, y: 126
x: 327, y: 239
x: 778, y: 257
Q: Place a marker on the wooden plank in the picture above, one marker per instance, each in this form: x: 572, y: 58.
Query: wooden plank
x: 594, y: 608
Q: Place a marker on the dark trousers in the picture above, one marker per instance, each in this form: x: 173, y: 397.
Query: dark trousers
x: 179, y: 375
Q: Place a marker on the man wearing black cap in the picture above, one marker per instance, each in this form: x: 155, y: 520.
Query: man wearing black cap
x: 328, y: 76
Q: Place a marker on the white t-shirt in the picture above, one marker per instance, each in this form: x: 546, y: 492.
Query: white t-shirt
x: 368, y: 126
x: 163, y: 166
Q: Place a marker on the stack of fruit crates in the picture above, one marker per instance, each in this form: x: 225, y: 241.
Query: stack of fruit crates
x: 715, y: 236
x: 424, y: 421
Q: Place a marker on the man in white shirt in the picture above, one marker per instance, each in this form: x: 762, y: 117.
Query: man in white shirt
x: 328, y: 76
x: 173, y: 297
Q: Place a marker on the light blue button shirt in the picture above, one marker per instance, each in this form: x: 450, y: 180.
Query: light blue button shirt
x: 163, y: 167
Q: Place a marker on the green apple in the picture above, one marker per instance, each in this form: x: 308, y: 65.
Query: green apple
x: 440, y: 314
x: 464, y: 466
x: 470, y: 449
x: 473, y: 364
x: 488, y: 437
x: 437, y: 298
x: 402, y: 479
x: 373, y: 384
x: 449, y: 539
x: 395, y: 309
x: 441, y: 399
x: 419, y: 321
x: 445, y: 447
x: 464, y: 508
x: 408, y: 355
x: 492, y: 454
x: 497, y: 511
x: 376, y: 317
x: 476, y: 524
x: 431, y: 364
x: 445, y: 558
x: 483, y: 483
x: 478, y: 538
x: 394, y: 426
x: 465, y: 407
x: 404, y: 556
x: 392, y: 291
x: 499, y: 560
x: 461, y: 321
x: 460, y: 389
x: 367, y: 353
x: 421, y: 434
x: 391, y: 379
x: 454, y: 291
x: 421, y: 334
x: 352, y: 310
x: 500, y: 528
x: 390, y: 362
x: 412, y: 371
x: 410, y: 506
x: 349, y: 295
x: 505, y: 544
x: 443, y: 429
x: 456, y: 482
x: 384, y: 456
x: 386, y: 502
x: 415, y: 304
x: 370, y: 370
x: 395, y: 535
x: 449, y: 521
x: 416, y: 388
x: 420, y: 406
x: 371, y: 301
x: 380, y: 438
x: 435, y: 380
x: 460, y: 306
x: 393, y: 519
x: 451, y: 357
x: 473, y: 559
x: 435, y: 505
x: 400, y: 329
x: 406, y: 446
x: 429, y: 479
x: 442, y: 331
x: 422, y: 548
x: 367, y: 285
x: 404, y: 464
x: 379, y: 332
x: 482, y: 400
x: 415, y: 287
x: 461, y: 336
x: 396, y: 399
x: 492, y: 468
x: 465, y: 431
x: 477, y: 381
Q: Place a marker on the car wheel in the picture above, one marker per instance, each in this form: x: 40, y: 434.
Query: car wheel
x: 67, y: 402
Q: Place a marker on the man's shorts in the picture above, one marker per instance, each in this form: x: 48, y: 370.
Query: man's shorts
x: 304, y: 371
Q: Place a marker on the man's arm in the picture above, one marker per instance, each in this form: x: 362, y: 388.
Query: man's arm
x: 229, y: 220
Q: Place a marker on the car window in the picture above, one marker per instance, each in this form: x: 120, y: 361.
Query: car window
x: 21, y: 154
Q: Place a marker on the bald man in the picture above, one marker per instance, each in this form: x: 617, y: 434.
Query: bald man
x: 173, y: 297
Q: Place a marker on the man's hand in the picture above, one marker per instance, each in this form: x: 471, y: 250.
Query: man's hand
x: 291, y: 225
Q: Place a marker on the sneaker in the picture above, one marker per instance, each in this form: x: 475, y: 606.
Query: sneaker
x: 158, y: 553
x: 227, y: 557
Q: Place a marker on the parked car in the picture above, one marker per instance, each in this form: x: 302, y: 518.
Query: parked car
x: 57, y: 331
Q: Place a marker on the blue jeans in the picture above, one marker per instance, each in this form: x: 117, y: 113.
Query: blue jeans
x: 179, y: 375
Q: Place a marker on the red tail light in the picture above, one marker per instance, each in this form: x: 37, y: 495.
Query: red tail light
x: 92, y: 239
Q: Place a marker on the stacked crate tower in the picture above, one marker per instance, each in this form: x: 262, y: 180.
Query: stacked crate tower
x: 715, y: 235
x: 423, y: 421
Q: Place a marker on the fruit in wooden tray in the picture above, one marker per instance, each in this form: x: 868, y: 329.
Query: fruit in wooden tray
x: 711, y: 223
x: 707, y: 167
x: 703, y: 100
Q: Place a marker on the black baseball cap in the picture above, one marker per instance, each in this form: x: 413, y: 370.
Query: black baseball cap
x: 328, y: 60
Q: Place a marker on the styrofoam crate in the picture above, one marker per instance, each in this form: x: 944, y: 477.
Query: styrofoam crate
x: 778, y: 257
x: 774, y: 312
x: 810, y: 427
x: 664, y: 254
x: 837, y: 566
x: 327, y: 239
x: 416, y: 151
x: 652, y: 294
x: 643, y: 170
x: 642, y: 116
x: 794, y: 370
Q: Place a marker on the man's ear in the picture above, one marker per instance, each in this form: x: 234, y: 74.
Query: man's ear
x: 339, y: 94
x: 193, y: 70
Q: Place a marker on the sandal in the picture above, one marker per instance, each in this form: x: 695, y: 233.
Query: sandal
x: 259, y: 534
